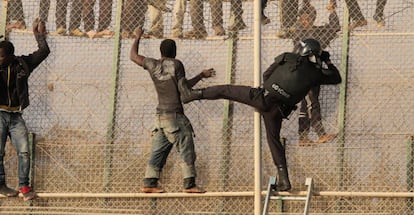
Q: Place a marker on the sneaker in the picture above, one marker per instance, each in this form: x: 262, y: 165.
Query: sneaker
x: 152, y: 190
x: 264, y: 20
x: 196, y: 34
x: 59, y: 32
x: 326, y: 138
x: 219, y: 31
x: 238, y: 26
x: 77, y: 33
x: 305, y: 141
x: 7, y: 191
x: 194, y: 189
x: 28, y: 193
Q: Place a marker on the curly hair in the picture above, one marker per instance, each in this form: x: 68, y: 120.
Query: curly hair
x: 7, y: 47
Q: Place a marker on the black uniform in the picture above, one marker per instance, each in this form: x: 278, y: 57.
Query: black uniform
x: 286, y: 82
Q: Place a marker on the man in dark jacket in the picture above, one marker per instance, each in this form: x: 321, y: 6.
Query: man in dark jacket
x: 310, y: 108
x: 14, y: 98
x: 286, y: 82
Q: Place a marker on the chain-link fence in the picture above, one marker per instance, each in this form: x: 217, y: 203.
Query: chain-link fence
x: 92, y: 108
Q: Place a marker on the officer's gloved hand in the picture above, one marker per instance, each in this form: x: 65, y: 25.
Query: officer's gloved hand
x: 325, y: 56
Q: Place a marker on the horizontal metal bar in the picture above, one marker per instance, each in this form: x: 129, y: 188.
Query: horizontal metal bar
x: 224, y: 194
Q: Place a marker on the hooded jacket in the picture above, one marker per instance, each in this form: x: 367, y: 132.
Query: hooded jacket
x: 14, y: 90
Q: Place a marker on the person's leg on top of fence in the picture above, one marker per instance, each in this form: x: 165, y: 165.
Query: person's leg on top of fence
x: 236, y: 8
x: 178, y: 14
x: 105, y: 18
x: 157, y: 23
x: 379, y: 12
x: 133, y: 16
x: 88, y: 17
x: 289, y: 10
x: 75, y: 19
x: 357, y: 19
x: 216, y: 8
x: 44, y: 6
x: 15, y: 15
x: 197, y: 21
x: 60, y: 14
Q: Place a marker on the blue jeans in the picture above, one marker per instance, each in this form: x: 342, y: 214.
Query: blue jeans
x: 13, y: 125
x: 171, y: 130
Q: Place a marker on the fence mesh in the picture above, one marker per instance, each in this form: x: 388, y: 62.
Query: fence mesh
x: 92, y: 108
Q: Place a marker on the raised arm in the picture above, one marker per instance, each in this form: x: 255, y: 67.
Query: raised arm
x: 133, y: 54
x: 33, y: 60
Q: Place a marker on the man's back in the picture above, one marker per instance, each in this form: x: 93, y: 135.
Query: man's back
x: 164, y: 73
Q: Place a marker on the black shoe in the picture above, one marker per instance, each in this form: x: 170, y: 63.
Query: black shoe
x: 186, y: 94
x: 7, y: 191
x: 283, y: 183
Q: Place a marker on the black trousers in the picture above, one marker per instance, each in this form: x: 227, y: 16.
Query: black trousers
x: 354, y: 10
x: 271, y: 113
x: 310, y: 114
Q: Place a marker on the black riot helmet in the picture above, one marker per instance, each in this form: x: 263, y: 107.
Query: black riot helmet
x: 310, y: 47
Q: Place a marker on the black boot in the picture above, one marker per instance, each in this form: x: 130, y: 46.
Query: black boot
x: 283, y: 183
x: 186, y: 94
